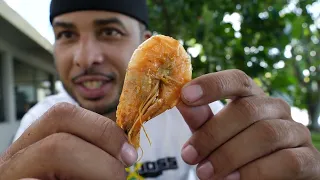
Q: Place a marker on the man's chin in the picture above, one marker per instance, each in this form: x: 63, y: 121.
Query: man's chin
x: 103, y: 105
x: 100, y: 106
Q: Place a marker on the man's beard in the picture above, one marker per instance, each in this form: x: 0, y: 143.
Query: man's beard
x: 110, y: 108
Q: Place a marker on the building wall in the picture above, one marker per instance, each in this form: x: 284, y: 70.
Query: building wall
x: 19, y: 72
x: 7, y: 127
x: 7, y: 131
x: 1, y: 94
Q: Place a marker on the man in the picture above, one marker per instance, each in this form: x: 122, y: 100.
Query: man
x: 252, y: 137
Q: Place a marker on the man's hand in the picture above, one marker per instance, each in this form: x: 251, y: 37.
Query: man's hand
x: 252, y: 137
x: 69, y: 142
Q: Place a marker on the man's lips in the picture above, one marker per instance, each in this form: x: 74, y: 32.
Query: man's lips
x: 93, y: 86
x: 86, y: 78
x: 96, y: 93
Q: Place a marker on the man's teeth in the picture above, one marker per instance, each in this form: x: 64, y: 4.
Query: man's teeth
x: 92, y: 84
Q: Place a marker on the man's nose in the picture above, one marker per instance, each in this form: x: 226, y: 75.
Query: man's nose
x: 88, y: 53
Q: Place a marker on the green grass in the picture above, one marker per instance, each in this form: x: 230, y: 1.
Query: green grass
x: 316, y: 139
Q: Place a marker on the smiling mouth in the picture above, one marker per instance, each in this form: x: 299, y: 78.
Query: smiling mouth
x: 94, y: 81
x: 94, y: 89
x: 92, y: 85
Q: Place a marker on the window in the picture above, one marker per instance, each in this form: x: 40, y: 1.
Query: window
x: 1, y: 94
x: 31, y: 86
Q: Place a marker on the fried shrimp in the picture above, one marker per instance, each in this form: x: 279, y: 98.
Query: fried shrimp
x: 157, y: 71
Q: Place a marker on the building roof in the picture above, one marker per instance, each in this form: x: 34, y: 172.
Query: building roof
x: 20, y: 33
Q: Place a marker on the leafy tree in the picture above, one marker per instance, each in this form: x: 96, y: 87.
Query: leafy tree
x: 274, y: 41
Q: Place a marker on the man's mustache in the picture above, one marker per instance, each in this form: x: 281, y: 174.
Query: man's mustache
x: 92, y: 72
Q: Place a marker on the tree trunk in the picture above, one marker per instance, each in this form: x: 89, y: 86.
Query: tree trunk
x: 314, y: 112
x: 314, y: 126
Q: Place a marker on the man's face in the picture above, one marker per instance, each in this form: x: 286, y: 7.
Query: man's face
x: 92, y: 51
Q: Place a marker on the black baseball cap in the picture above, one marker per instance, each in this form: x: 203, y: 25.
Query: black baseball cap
x: 136, y: 9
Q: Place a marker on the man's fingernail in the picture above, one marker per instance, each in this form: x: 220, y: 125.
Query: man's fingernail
x: 128, y: 154
x: 234, y: 176
x: 189, y: 154
x: 192, y: 93
x: 205, y: 171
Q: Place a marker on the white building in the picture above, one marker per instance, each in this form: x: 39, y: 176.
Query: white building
x: 27, y: 72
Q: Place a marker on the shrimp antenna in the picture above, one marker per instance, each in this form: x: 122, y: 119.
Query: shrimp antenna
x: 141, y: 154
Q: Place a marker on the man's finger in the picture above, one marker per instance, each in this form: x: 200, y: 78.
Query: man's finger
x: 220, y: 85
x: 92, y: 127
x: 62, y: 156
x: 225, y: 125
x: 286, y: 164
x: 195, y: 116
x: 260, y: 139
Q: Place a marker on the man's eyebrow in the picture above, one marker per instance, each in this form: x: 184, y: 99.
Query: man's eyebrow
x: 64, y: 25
x: 101, y: 22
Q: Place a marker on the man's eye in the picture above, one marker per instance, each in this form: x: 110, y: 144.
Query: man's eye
x: 111, y: 32
x: 65, y: 34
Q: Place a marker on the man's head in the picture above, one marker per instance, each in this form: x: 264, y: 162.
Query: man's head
x: 94, y: 42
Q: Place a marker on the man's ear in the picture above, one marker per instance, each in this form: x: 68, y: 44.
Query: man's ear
x: 146, y: 35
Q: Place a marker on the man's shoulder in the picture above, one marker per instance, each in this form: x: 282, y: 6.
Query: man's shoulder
x: 172, y: 119
x: 57, y: 98
x: 50, y: 101
x: 216, y: 106
x: 40, y: 108
x: 168, y: 132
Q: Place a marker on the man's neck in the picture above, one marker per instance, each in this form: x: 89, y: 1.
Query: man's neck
x: 111, y: 116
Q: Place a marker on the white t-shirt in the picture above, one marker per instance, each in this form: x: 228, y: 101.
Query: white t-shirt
x: 167, y: 132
